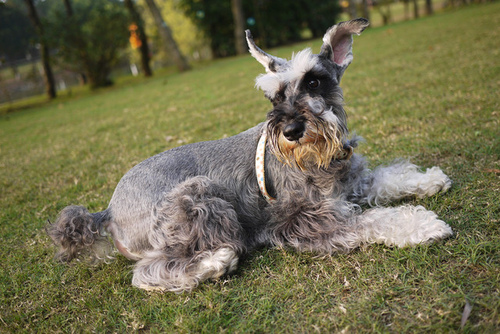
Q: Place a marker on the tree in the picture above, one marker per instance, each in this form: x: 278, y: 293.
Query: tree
x: 353, y: 11
x: 406, y: 4
x: 15, y: 33
x: 415, y: 9
x: 317, y: 15
x: 50, y: 86
x: 272, y: 22
x: 166, y: 36
x: 69, y: 13
x: 366, y: 10
x: 214, y: 19
x: 428, y: 7
x: 69, y: 8
x: 143, y: 47
x: 239, y: 26
x: 384, y: 8
x: 91, y: 39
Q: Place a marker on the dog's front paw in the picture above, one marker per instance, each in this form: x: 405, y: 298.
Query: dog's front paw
x: 432, y: 182
x: 426, y: 226
x: 404, y: 226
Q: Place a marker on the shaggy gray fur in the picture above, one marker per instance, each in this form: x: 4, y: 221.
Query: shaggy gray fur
x: 188, y: 214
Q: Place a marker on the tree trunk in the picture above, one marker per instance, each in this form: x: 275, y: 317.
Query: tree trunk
x: 69, y: 8
x: 50, y: 86
x: 385, y: 13
x: 428, y: 7
x: 407, y: 9
x: 166, y: 35
x: 82, y: 78
x: 353, y: 12
x: 259, y: 23
x: 239, y: 27
x: 415, y: 9
x: 366, y: 11
x: 144, y: 48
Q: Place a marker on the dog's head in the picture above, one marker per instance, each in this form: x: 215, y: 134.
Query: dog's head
x: 307, y: 126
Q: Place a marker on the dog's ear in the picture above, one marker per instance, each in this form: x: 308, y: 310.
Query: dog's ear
x: 337, y: 43
x: 271, y: 63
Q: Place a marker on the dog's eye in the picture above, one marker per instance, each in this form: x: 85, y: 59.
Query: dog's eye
x: 313, y: 83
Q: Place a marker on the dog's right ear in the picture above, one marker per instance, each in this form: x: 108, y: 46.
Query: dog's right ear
x: 271, y: 63
x: 337, y: 43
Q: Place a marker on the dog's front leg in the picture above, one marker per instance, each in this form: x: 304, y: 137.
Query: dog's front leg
x: 403, y: 179
x: 323, y: 226
x: 400, y: 226
x: 332, y: 225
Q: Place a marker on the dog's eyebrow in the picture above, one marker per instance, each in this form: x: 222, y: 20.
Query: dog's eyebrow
x: 270, y: 83
x: 318, y: 71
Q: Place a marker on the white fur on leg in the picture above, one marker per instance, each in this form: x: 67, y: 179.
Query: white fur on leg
x: 156, y: 271
x: 404, y: 179
x: 402, y: 226
x: 215, y: 264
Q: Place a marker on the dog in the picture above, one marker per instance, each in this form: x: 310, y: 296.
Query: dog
x: 188, y: 214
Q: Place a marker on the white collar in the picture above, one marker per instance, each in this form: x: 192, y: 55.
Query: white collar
x: 260, y: 166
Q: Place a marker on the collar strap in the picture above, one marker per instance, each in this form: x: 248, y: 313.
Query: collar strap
x: 260, y: 167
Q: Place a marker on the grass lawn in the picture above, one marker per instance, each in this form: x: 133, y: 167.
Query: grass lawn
x: 425, y: 89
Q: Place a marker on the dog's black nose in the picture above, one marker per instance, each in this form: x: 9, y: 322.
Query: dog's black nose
x: 294, y: 131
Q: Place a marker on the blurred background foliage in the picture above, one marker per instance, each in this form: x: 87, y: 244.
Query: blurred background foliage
x: 16, y: 33
x: 272, y: 23
x: 90, y: 42
x: 185, y: 33
x: 88, y: 37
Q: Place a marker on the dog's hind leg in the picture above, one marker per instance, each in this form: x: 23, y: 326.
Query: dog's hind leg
x: 403, y: 179
x: 158, y: 271
x: 196, y: 236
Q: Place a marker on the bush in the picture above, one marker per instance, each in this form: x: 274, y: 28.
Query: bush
x: 90, y: 40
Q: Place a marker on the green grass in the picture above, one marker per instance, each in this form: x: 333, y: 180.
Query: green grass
x: 425, y: 89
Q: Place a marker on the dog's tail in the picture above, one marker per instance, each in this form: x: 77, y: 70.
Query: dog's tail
x: 77, y: 233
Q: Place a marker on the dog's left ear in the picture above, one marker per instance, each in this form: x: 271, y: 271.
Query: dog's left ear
x: 271, y: 63
x: 337, y: 43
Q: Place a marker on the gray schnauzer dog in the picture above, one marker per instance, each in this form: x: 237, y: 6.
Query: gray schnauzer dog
x: 186, y: 215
